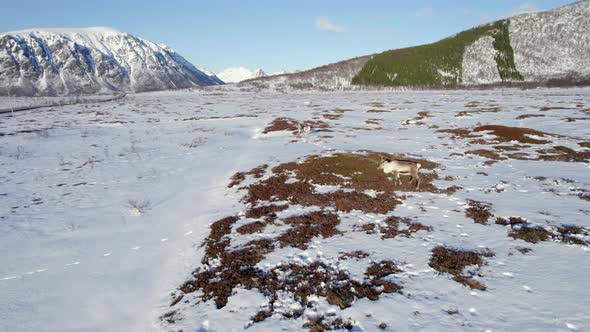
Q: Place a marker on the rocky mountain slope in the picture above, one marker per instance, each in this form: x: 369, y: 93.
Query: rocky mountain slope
x: 550, y: 46
x: 90, y: 60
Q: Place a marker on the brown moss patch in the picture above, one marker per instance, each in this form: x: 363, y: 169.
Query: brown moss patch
x: 355, y: 171
x: 530, y: 234
x: 524, y: 250
x: 282, y: 124
x: 268, y: 211
x: 276, y: 188
x: 357, y: 254
x: 526, y: 116
x: 239, y: 177
x: 323, y: 323
x: 515, y: 147
x: 373, y: 121
x: 341, y: 110
x: 458, y: 133
x: 454, y: 261
x: 306, y: 227
x: 486, y: 154
x: 511, y: 221
x: 391, y: 227
x: 563, y: 153
x: 292, y: 125
x: 570, y: 233
x: 251, y: 228
x: 509, y: 134
x: 480, y: 212
x: 332, y: 116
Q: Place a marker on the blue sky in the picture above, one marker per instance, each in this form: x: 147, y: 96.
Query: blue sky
x: 272, y: 35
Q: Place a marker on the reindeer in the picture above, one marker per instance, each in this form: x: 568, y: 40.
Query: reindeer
x: 404, y: 167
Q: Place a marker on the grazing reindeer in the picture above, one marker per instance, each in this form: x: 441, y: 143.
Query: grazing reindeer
x: 303, y: 130
x: 404, y: 167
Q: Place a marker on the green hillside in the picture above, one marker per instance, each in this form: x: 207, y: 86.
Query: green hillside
x: 422, y: 65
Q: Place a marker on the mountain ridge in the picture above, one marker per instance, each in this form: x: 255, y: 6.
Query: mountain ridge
x: 62, y: 61
x: 536, y: 48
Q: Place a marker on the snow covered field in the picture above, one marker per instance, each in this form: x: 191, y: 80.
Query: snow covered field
x: 103, y: 208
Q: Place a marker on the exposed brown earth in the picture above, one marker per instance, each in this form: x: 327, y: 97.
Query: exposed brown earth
x: 454, y: 261
x: 390, y: 228
x: 509, y: 134
x: 480, y: 212
x: 239, y: 177
x: 292, y: 125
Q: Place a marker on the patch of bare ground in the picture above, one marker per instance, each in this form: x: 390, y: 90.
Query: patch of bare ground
x: 526, y: 116
x: 205, y: 118
x: 292, y: 125
x: 357, y: 254
x: 373, y: 121
x: 341, y: 110
x: 524, y: 250
x: 516, y: 147
x: 530, y: 234
x: 306, y: 227
x: 377, y: 111
x: 486, y: 154
x: 239, y: 177
x: 454, y: 261
x: 574, y: 119
x: 569, y: 234
x: 266, y: 211
x: 332, y: 116
x: 550, y: 108
x: 419, y: 119
x: 323, y: 323
x: 563, y: 153
x: 251, y: 228
x: 509, y: 134
x: 356, y: 171
x: 480, y: 212
x: 479, y: 111
x: 584, y: 145
x: 376, y: 104
x: 458, y: 133
x: 391, y: 227
x: 511, y: 221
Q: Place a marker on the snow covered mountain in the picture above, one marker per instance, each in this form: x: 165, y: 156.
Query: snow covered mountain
x: 548, y: 47
x: 90, y: 60
x: 238, y: 74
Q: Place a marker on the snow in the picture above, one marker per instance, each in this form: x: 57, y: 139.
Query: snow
x: 238, y: 74
x: 84, y: 259
x: 479, y: 62
x: 552, y: 44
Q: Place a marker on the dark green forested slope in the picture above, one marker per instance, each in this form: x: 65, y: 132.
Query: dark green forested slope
x: 422, y: 65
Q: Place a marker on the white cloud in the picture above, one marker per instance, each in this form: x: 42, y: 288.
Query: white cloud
x: 425, y: 12
x: 325, y: 24
x: 524, y: 8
